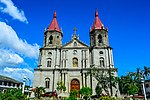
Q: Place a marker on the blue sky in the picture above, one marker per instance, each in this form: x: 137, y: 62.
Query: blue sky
x: 22, y: 23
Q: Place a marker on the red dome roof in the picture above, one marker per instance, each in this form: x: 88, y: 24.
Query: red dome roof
x: 97, y: 22
x: 54, y: 24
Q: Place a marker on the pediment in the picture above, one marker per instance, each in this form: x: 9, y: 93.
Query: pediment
x: 75, y: 43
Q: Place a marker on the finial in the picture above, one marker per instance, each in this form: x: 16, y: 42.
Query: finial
x: 75, y: 30
x: 96, y: 13
x: 55, y: 14
x: 61, y: 30
x: 45, y: 29
x: 74, y: 35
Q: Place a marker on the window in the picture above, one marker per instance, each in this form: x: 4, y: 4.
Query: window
x: 47, y: 83
x: 101, y: 62
x: 92, y: 40
x: 49, y: 62
x: 75, y: 62
x: 75, y: 43
x: 13, y: 84
x: 74, y: 52
x: 101, y: 52
x: 5, y: 83
x: 9, y: 84
x: 147, y: 85
x: 49, y: 54
x: 18, y: 85
x: 50, y: 39
x: 99, y: 38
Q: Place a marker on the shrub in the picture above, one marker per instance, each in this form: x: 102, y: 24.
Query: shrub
x: 133, y: 89
x: 61, y: 86
x: 12, y: 94
x: 86, y: 92
x: 98, y: 90
x: 107, y: 98
x: 73, y: 94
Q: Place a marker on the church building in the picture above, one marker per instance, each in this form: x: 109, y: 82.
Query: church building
x: 71, y: 62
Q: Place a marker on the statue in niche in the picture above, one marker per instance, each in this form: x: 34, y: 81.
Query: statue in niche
x: 75, y: 62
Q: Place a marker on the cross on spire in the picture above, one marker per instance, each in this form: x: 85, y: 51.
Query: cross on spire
x: 74, y: 34
x: 75, y: 30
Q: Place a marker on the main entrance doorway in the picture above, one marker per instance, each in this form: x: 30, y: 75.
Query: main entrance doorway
x: 75, y: 84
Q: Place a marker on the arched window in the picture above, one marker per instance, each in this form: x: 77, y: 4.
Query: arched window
x: 102, y: 62
x: 51, y: 39
x: 49, y: 62
x: 75, y: 43
x: 99, y: 38
x: 47, y: 83
x: 49, y: 54
x: 75, y: 62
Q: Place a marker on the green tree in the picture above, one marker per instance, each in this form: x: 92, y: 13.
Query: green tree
x: 38, y: 91
x: 146, y: 72
x: 105, y: 78
x: 98, y: 90
x: 12, y: 94
x: 140, y: 74
x: 124, y: 82
x: 86, y: 92
x: 73, y: 94
x: 60, y: 86
x: 133, y: 89
x: 128, y: 84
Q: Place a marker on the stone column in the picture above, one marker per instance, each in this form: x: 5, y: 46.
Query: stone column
x: 2, y: 83
x: 7, y: 84
x: 66, y: 81
x: 83, y: 79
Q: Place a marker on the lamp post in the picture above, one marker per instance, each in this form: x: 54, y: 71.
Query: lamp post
x: 24, y: 81
x: 29, y: 86
x: 142, y: 81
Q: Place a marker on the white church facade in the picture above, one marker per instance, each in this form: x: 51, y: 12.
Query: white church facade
x: 71, y: 62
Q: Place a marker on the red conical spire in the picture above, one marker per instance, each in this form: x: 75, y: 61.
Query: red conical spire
x: 54, y: 24
x: 97, y: 23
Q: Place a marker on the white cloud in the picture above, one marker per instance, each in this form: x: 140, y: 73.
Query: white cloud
x: 18, y: 73
x: 9, y: 39
x: 13, y: 11
x: 9, y: 58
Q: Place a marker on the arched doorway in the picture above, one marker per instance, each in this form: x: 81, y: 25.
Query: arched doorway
x: 75, y: 84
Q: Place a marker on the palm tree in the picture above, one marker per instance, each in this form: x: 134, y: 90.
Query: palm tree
x: 140, y: 74
x: 146, y: 72
x: 127, y: 84
x: 124, y: 82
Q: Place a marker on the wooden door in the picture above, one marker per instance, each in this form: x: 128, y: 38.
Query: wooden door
x: 75, y: 85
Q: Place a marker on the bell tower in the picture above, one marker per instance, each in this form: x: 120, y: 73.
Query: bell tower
x: 53, y: 35
x: 98, y: 34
